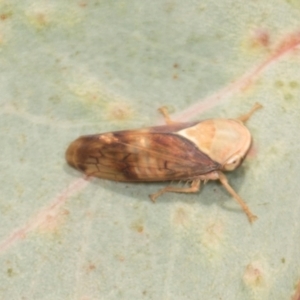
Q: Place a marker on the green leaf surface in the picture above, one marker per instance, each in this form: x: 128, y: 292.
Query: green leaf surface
x: 69, y: 68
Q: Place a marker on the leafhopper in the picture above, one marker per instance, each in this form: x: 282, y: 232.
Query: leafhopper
x: 194, y: 152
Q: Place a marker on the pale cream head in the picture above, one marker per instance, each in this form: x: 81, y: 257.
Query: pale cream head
x: 225, y: 141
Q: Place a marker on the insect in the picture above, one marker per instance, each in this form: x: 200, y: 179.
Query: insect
x: 192, y: 152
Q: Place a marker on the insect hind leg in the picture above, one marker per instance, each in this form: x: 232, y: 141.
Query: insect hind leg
x: 193, y: 188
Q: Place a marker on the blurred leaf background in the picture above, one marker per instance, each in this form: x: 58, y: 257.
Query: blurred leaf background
x: 69, y: 68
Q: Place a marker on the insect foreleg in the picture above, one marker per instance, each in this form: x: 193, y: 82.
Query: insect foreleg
x: 244, y: 118
x: 195, y: 187
x: 238, y: 199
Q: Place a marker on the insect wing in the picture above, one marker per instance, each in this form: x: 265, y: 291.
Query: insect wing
x: 139, y: 155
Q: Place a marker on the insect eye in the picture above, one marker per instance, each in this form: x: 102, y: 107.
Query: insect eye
x: 232, y: 163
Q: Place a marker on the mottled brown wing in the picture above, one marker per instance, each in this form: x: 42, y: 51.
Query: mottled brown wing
x: 139, y: 155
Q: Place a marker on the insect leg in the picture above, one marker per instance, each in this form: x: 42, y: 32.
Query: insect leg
x: 195, y: 187
x: 164, y: 111
x: 246, y: 116
x: 232, y: 192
